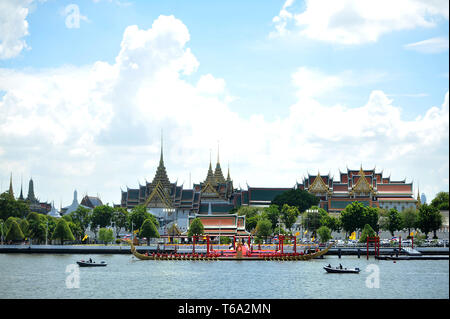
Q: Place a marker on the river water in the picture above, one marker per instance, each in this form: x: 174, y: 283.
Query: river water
x: 57, y: 276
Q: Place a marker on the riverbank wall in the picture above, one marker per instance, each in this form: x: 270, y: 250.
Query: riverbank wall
x: 123, y: 249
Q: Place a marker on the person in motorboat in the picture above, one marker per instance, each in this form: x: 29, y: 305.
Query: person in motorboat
x: 340, y: 266
x: 90, y: 260
x: 329, y: 266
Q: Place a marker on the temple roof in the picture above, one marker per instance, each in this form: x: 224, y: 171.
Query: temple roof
x: 265, y: 194
x: 210, y: 179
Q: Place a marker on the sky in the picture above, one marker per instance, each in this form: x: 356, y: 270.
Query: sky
x: 278, y: 89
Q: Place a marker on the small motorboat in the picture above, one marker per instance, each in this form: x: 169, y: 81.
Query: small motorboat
x: 339, y: 270
x: 90, y: 263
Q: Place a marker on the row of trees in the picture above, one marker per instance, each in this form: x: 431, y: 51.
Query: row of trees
x: 18, y: 223
x: 267, y: 221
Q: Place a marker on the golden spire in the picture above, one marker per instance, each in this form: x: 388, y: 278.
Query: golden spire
x: 218, y: 161
x: 161, y: 173
x: 11, y: 187
x: 418, y: 198
x: 161, y: 157
x: 228, y: 175
x: 218, y: 175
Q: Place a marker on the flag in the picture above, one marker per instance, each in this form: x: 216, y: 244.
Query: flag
x: 297, y: 233
x: 411, y: 234
x: 312, y: 239
x: 306, y: 231
x: 136, y: 231
x: 84, y: 238
x: 352, y: 236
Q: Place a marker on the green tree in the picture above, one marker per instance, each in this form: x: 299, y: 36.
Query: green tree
x: 196, y: 228
x: 62, y: 231
x: 251, y: 222
x: 68, y: 218
x: 263, y: 228
x: 437, y: 221
x: 247, y: 211
x: 105, y: 235
x: 251, y: 216
x: 25, y: 227
x: 366, y: 232
x: 9, y: 207
x: 356, y: 215
x: 148, y: 230
x: 429, y: 219
x: 137, y: 216
x: 14, y: 233
x: 394, y: 221
x: 324, y: 233
x: 312, y: 219
x: 332, y: 222
x: 101, y: 216
x: 225, y: 240
x: 409, y: 219
x: 119, y: 218
x: 37, y: 226
x: 82, y: 217
x: 50, y: 221
x: 441, y: 201
x: 2, y: 232
x: 289, y: 215
x: 10, y: 221
x: 271, y: 213
x: 296, y: 197
x: 76, y: 230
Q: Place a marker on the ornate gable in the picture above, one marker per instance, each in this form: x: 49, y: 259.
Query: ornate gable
x: 362, y: 186
x: 209, y: 190
x: 318, y: 186
x: 159, y: 197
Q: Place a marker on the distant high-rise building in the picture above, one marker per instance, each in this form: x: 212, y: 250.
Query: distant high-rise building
x: 423, y: 198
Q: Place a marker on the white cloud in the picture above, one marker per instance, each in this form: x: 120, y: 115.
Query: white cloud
x: 433, y: 45
x: 210, y: 85
x: 311, y: 82
x: 97, y: 128
x: 13, y: 27
x: 354, y: 22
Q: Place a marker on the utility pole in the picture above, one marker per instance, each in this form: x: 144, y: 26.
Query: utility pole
x: 46, y: 232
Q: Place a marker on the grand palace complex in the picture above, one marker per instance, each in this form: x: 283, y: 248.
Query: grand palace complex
x: 214, y: 198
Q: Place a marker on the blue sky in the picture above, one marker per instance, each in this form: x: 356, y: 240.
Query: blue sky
x: 286, y: 87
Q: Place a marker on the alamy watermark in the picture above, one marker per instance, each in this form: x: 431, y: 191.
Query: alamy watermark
x: 73, y: 278
x: 373, y: 279
x: 73, y: 16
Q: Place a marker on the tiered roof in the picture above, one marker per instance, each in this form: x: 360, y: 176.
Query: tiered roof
x: 161, y: 174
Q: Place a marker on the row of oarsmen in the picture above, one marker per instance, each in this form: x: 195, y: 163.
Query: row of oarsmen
x: 186, y: 256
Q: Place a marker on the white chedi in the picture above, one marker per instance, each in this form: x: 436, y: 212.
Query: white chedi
x: 53, y: 212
